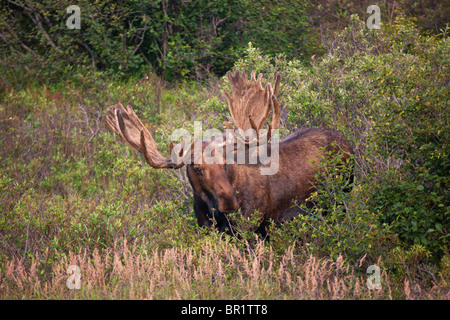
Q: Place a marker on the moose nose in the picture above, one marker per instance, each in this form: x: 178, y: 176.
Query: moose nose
x: 228, y: 204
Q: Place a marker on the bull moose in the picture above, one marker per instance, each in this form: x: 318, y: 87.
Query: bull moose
x: 222, y: 187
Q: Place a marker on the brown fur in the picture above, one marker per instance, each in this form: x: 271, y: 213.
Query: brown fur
x: 219, y: 189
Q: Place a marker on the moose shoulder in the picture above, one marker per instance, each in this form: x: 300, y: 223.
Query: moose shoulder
x: 222, y: 187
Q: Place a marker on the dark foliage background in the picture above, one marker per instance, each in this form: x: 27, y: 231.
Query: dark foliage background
x: 176, y: 39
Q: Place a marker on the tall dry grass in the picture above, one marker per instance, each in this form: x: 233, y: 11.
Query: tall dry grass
x: 217, y: 271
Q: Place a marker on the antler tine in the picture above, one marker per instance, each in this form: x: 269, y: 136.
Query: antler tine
x: 253, y: 77
x: 276, y: 86
x: 276, y: 117
x: 124, y: 122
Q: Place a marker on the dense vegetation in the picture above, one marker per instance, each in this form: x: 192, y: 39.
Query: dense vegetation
x: 176, y: 39
x: 72, y: 194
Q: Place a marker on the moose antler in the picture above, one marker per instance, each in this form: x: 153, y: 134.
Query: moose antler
x: 250, y: 103
x: 125, y: 123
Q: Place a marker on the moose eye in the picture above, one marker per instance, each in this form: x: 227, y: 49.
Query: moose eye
x: 198, y: 170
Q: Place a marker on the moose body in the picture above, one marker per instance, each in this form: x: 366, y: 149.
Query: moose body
x: 222, y: 187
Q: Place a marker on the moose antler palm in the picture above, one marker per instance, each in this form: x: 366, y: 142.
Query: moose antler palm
x: 250, y: 103
x: 125, y: 123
